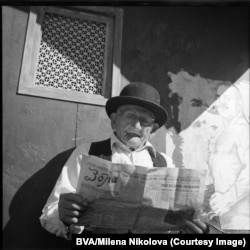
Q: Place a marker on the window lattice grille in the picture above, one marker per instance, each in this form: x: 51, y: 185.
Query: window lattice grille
x: 71, y: 54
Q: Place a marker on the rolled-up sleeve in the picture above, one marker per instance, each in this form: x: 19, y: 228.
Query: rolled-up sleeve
x: 66, y: 183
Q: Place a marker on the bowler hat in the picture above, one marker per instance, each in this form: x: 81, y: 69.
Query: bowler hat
x: 140, y: 94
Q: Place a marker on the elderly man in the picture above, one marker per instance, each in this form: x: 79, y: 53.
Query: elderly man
x: 134, y: 115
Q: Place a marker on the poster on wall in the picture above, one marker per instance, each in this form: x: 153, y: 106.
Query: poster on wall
x: 215, y: 136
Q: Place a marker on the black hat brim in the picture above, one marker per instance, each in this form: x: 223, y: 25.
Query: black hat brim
x: 159, y: 112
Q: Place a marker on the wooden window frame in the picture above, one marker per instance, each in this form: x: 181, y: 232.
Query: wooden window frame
x: 112, y: 74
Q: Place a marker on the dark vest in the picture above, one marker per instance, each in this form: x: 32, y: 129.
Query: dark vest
x: 103, y: 149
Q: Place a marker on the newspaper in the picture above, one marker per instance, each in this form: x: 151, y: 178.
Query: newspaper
x: 137, y: 198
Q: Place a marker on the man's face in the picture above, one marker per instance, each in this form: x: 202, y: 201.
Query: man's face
x: 132, y: 125
x: 228, y: 103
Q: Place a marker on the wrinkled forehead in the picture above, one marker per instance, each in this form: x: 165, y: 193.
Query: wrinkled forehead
x: 134, y: 108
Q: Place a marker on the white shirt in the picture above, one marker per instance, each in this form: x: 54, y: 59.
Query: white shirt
x: 68, y: 178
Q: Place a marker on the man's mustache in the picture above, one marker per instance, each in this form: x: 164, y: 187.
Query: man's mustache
x: 136, y: 133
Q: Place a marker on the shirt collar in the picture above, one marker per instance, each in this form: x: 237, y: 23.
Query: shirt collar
x: 115, y: 141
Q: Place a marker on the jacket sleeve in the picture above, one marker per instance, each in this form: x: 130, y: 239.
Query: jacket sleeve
x: 66, y: 183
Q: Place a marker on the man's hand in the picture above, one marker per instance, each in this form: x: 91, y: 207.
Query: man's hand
x: 194, y: 227
x: 71, y: 207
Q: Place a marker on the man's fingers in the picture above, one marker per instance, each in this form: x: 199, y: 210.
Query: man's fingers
x: 69, y: 216
x: 75, y: 198
x: 71, y: 208
x: 77, y: 207
x: 196, y: 227
x: 66, y: 202
x: 77, y: 213
x: 187, y: 231
x: 200, y: 224
x: 69, y: 205
x: 70, y: 220
x: 71, y: 213
x: 191, y: 227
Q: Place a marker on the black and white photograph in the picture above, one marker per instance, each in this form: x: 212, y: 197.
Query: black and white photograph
x: 125, y: 119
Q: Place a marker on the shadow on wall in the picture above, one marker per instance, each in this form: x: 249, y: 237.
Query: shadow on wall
x: 23, y: 231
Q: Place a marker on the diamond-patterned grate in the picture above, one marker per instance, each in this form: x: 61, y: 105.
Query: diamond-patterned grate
x: 71, y: 54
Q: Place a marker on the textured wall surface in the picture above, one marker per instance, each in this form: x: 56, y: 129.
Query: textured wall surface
x: 34, y: 129
x: 210, y: 41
